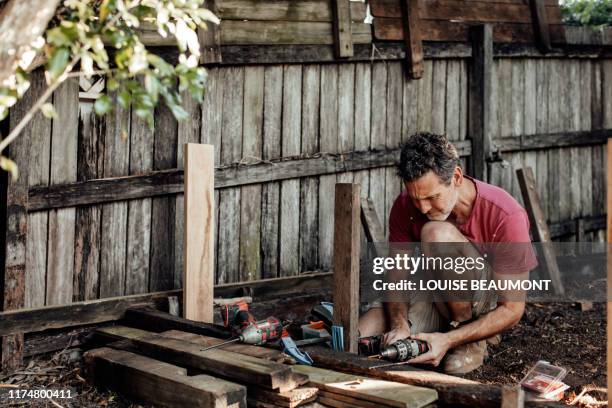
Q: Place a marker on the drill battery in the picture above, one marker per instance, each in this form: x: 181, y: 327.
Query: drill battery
x: 369, y: 346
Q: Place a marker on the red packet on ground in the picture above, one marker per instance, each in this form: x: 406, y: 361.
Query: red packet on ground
x: 544, y: 379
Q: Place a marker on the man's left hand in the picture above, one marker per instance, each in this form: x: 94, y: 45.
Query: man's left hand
x: 438, y: 346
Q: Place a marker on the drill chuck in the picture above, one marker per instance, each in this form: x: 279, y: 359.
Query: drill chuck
x: 403, y: 350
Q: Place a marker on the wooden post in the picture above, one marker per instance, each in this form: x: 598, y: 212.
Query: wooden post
x: 412, y: 38
x: 199, y: 269
x: 609, y: 255
x: 343, y: 39
x: 373, y: 229
x: 347, y: 241
x: 538, y: 226
x: 540, y: 24
x: 479, y: 126
x: 210, y: 39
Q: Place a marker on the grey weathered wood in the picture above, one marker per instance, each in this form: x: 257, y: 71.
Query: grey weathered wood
x: 363, y: 110
x: 139, y: 211
x: 540, y: 24
x: 35, y: 172
x: 539, y: 228
x: 270, y: 204
x: 328, y: 133
x: 412, y: 37
x: 188, y: 132
x: 290, y: 189
x: 210, y: 38
x: 453, y: 100
x: 228, y: 261
x: 310, y: 10
x: 250, y: 196
x: 60, y: 257
x: 480, y: 99
x: 287, y: 32
x: 343, y: 40
x: 347, y: 246
x: 163, y: 209
x: 346, y: 114
x: 87, y: 234
x: 378, y: 135
x: 394, y: 128
x: 114, y: 215
x: 152, y: 381
x: 542, y: 127
x: 309, y: 187
x: 424, y: 97
x: 438, y: 96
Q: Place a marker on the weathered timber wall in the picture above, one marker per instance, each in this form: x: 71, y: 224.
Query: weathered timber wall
x: 254, y: 113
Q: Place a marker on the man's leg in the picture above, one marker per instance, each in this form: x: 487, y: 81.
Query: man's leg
x: 470, y: 356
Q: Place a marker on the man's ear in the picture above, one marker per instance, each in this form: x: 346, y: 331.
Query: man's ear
x: 458, y: 176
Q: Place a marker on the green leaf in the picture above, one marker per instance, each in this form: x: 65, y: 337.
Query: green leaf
x: 102, y: 105
x: 8, y: 165
x: 58, y: 62
x: 124, y: 98
x: 48, y: 111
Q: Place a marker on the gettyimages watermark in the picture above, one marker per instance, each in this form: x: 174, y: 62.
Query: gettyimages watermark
x: 555, y: 272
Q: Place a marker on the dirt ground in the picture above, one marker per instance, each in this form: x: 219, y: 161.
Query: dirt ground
x: 559, y: 333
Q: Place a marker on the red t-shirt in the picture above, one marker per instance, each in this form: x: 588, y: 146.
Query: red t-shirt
x: 496, y: 217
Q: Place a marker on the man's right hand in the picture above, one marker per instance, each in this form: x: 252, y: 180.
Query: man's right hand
x: 398, y: 333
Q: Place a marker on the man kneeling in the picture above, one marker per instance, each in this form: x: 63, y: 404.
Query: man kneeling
x: 442, y: 205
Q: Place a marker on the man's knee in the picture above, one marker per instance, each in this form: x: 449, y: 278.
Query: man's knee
x: 439, y: 231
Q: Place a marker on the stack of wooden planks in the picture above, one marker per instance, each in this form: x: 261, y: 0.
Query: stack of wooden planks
x: 169, y: 369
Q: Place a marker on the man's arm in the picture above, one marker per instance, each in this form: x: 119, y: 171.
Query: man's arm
x: 396, y: 309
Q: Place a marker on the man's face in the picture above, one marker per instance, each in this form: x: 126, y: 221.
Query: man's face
x: 432, y: 197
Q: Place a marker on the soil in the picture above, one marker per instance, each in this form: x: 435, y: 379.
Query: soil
x: 559, y: 333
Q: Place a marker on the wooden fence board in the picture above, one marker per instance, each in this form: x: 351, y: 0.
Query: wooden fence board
x: 395, y: 79
x: 250, y: 211
x: 163, y: 211
x: 309, y: 187
x: 63, y: 169
x: 273, y: 97
x: 114, y: 215
x: 328, y: 131
x: 378, y: 136
x: 231, y: 151
x: 36, y: 173
x: 346, y: 114
x: 310, y: 10
x: 452, y: 100
x: 139, y: 211
x: 287, y: 32
x: 290, y: 189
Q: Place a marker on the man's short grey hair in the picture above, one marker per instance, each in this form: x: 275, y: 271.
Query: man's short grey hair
x: 423, y: 152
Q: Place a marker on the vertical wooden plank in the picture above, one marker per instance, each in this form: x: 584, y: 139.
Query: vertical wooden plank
x: 199, y: 231
x: 609, y: 257
x: 270, y: 199
x: 210, y: 130
x: 463, y: 99
x: 346, y: 106
x: 575, y: 80
x: 139, y: 211
x: 480, y: 99
x: 328, y: 142
x: 597, y: 152
x: 412, y: 38
x: 309, y: 186
x: 343, y: 40
x: 228, y: 264
x: 542, y: 127
x: 410, y: 108
x: 250, y: 202
x: 425, y: 88
x: 539, y: 227
x: 290, y: 189
x: 378, y: 139
x: 394, y: 129
x: 87, y: 235
x: 347, y: 227
x: 188, y: 132
x: 529, y: 113
x: 65, y: 130
x: 586, y: 199
x: 210, y: 39
x: 35, y: 172
x: 540, y: 24
x: 16, y: 238
x: 493, y: 172
x: 553, y: 126
x: 564, y: 123
x: 114, y: 215
x: 518, y: 113
x: 163, y: 209
x: 452, y: 99
x: 438, y: 96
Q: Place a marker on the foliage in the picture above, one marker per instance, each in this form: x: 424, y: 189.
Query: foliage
x: 105, y: 37
x: 587, y: 12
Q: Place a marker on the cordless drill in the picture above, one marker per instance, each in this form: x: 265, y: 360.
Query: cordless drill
x: 256, y: 333
x: 401, y: 350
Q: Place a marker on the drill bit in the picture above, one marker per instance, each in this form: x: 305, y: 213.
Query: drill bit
x: 214, y: 346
